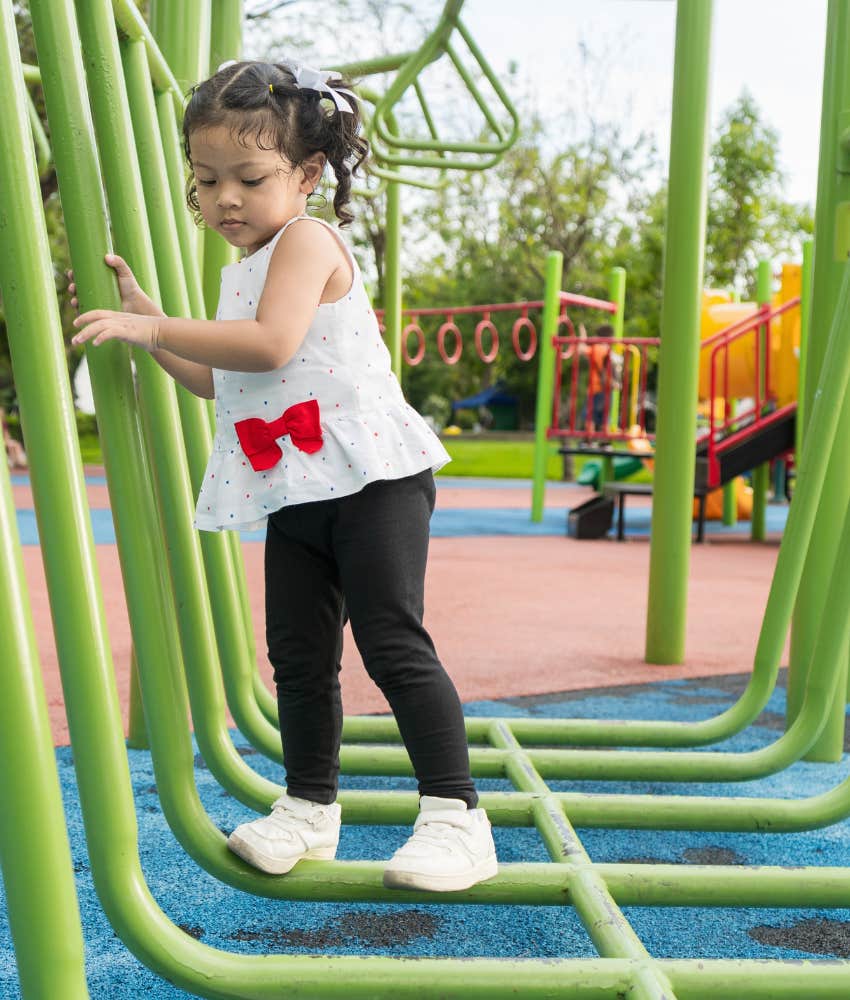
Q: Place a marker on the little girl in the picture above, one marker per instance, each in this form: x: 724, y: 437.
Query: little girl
x: 314, y: 438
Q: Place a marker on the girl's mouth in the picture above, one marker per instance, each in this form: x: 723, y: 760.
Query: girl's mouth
x: 231, y: 224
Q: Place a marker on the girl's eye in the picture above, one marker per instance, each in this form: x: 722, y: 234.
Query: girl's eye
x: 247, y: 183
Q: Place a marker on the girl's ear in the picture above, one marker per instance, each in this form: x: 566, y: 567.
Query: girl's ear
x: 313, y: 168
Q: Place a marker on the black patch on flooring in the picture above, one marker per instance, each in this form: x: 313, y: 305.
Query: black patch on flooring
x: 691, y: 856
x: 712, y: 856
x: 818, y: 937
x: 368, y: 929
x: 196, y: 932
x: 731, y: 684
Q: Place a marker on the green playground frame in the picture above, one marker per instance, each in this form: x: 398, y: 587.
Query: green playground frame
x: 113, y: 90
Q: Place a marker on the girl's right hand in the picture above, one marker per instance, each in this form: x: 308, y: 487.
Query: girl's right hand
x: 133, y: 299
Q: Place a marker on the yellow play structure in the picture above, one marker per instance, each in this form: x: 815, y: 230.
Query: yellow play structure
x: 720, y: 312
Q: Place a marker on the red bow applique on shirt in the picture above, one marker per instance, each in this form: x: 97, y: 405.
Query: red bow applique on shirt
x: 257, y: 436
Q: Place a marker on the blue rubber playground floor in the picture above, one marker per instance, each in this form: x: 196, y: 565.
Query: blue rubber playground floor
x: 456, y: 522
x: 228, y: 919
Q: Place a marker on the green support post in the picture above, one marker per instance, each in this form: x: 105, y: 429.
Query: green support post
x: 730, y: 491
x: 35, y: 857
x: 761, y: 475
x: 225, y: 43
x: 675, y: 455
x: 805, y: 319
x: 547, y: 356
x: 617, y: 294
x: 392, y: 277
x: 831, y: 249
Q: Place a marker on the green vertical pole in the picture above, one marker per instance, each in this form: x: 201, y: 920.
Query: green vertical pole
x: 183, y: 33
x: 392, y: 277
x: 675, y: 457
x: 761, y: 475
x: 225, y: 43
x: 730, y: 491
x: 617, y: 294
x: 35, y: 858
x: 180, y: 38
x: 805, y: 318
x: 137, y: 734
x: 832, y: 247
x: 545, y: 380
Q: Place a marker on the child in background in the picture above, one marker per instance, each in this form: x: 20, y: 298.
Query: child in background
x: 314, y: 439
x: 16, y: 457
x: 597, y: 355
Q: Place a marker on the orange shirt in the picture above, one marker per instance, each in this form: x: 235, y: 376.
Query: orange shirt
x: 598, y: 353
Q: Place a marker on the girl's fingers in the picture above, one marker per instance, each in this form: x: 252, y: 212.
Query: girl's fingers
x: 91, y: 316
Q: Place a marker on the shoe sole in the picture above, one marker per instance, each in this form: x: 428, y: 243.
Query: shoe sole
x: 275, y: 866
x: 395, y: 879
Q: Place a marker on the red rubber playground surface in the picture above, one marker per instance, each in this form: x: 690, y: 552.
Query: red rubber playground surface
x: 510, y: 615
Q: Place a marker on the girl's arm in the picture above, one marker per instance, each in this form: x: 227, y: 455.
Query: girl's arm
x: 197, y: 378
x: 303, y: 261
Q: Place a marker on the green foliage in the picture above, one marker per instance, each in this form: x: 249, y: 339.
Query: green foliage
x: 747, y: 215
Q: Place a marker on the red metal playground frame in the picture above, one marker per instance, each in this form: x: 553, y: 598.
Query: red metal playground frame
x: 629, y: 400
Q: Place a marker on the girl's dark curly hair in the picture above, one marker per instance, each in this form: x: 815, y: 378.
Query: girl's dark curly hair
x: 260, y: 101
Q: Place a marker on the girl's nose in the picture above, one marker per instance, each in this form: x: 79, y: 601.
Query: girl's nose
x: 227, y: 197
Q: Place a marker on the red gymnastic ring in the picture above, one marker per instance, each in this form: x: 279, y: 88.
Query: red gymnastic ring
x: 522, y: 323
x: 454, y: 357
x: 490, y: 356
x: 420, y: 348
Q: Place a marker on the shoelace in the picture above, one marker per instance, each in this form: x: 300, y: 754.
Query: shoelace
x: 437, y: 833
x: 282, y: 822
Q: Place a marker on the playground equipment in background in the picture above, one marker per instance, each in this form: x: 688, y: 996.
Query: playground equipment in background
x: 722, y: 319
x: 190, y: 657
x: 749, y: 372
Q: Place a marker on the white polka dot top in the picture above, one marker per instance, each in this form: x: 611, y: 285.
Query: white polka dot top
x: 356, y: 427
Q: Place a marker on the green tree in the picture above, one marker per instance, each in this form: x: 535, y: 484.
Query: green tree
x: 748, y: 217
x: 494, y: 230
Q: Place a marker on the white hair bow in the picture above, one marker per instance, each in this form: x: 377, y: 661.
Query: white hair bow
x: 307, y: 78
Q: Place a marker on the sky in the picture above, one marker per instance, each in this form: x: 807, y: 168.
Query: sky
x: 774, y: 48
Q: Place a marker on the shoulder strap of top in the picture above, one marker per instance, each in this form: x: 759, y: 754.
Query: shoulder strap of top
x: 327, y: 226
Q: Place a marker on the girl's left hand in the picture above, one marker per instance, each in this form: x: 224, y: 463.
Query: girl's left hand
x: 132, y: 328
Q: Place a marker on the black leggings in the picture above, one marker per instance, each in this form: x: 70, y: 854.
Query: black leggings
x: 360, y: 557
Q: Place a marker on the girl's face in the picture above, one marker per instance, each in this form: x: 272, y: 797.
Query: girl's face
x: 246, y: 193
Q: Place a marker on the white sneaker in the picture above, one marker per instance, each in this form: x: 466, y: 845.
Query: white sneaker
x: 296, y: 829
x: 451, y: 849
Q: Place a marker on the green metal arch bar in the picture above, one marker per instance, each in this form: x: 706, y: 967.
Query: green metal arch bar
x: 379, y: 171
x: 437, y: 41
